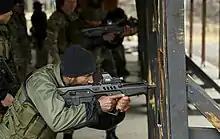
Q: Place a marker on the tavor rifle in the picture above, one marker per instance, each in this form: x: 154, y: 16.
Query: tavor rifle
x: 108, y: 85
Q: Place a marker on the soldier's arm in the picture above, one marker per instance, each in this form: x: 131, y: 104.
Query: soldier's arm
x: 54, y: 25
x: 51, y: 105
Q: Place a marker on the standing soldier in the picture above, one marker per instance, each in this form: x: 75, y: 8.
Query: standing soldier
x: 19, y: 40
x: 5, y: 52
x: 115, y: 15
x: 38, y: 31
x: 92, y: 17
x: 56, y: 41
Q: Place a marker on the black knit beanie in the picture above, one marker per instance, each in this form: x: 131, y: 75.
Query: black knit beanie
x: 6, y: 6
x: 77, y: 61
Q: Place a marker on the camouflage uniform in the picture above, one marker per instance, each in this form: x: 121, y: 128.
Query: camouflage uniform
x: 97, y: 46
x: 20, y: 43
x: 56, y: 40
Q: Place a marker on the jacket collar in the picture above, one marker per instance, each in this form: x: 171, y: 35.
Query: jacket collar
x: 57, y: 74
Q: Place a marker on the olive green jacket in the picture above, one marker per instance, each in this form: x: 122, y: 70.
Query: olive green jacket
x: 49, y: 107
x: 42, y: 90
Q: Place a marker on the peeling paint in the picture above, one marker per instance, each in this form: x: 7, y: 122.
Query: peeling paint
x: 213, y: 119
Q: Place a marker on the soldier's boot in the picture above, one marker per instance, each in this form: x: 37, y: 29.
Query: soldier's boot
x: 111, y: 134
x: 67, y: 135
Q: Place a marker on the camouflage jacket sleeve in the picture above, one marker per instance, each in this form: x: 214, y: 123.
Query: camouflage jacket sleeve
x: 54, y: 24
x: 42, y: 91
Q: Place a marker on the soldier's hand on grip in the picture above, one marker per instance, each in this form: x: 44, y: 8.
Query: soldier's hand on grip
x: 8, y: 100
x: 123, y: 104
x: 108, y: 103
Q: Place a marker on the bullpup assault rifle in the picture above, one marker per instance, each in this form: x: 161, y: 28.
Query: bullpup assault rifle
x: 110, y: 27
x: 76, y: 95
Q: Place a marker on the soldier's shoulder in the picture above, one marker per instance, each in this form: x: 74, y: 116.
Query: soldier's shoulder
x: 41, y: 73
